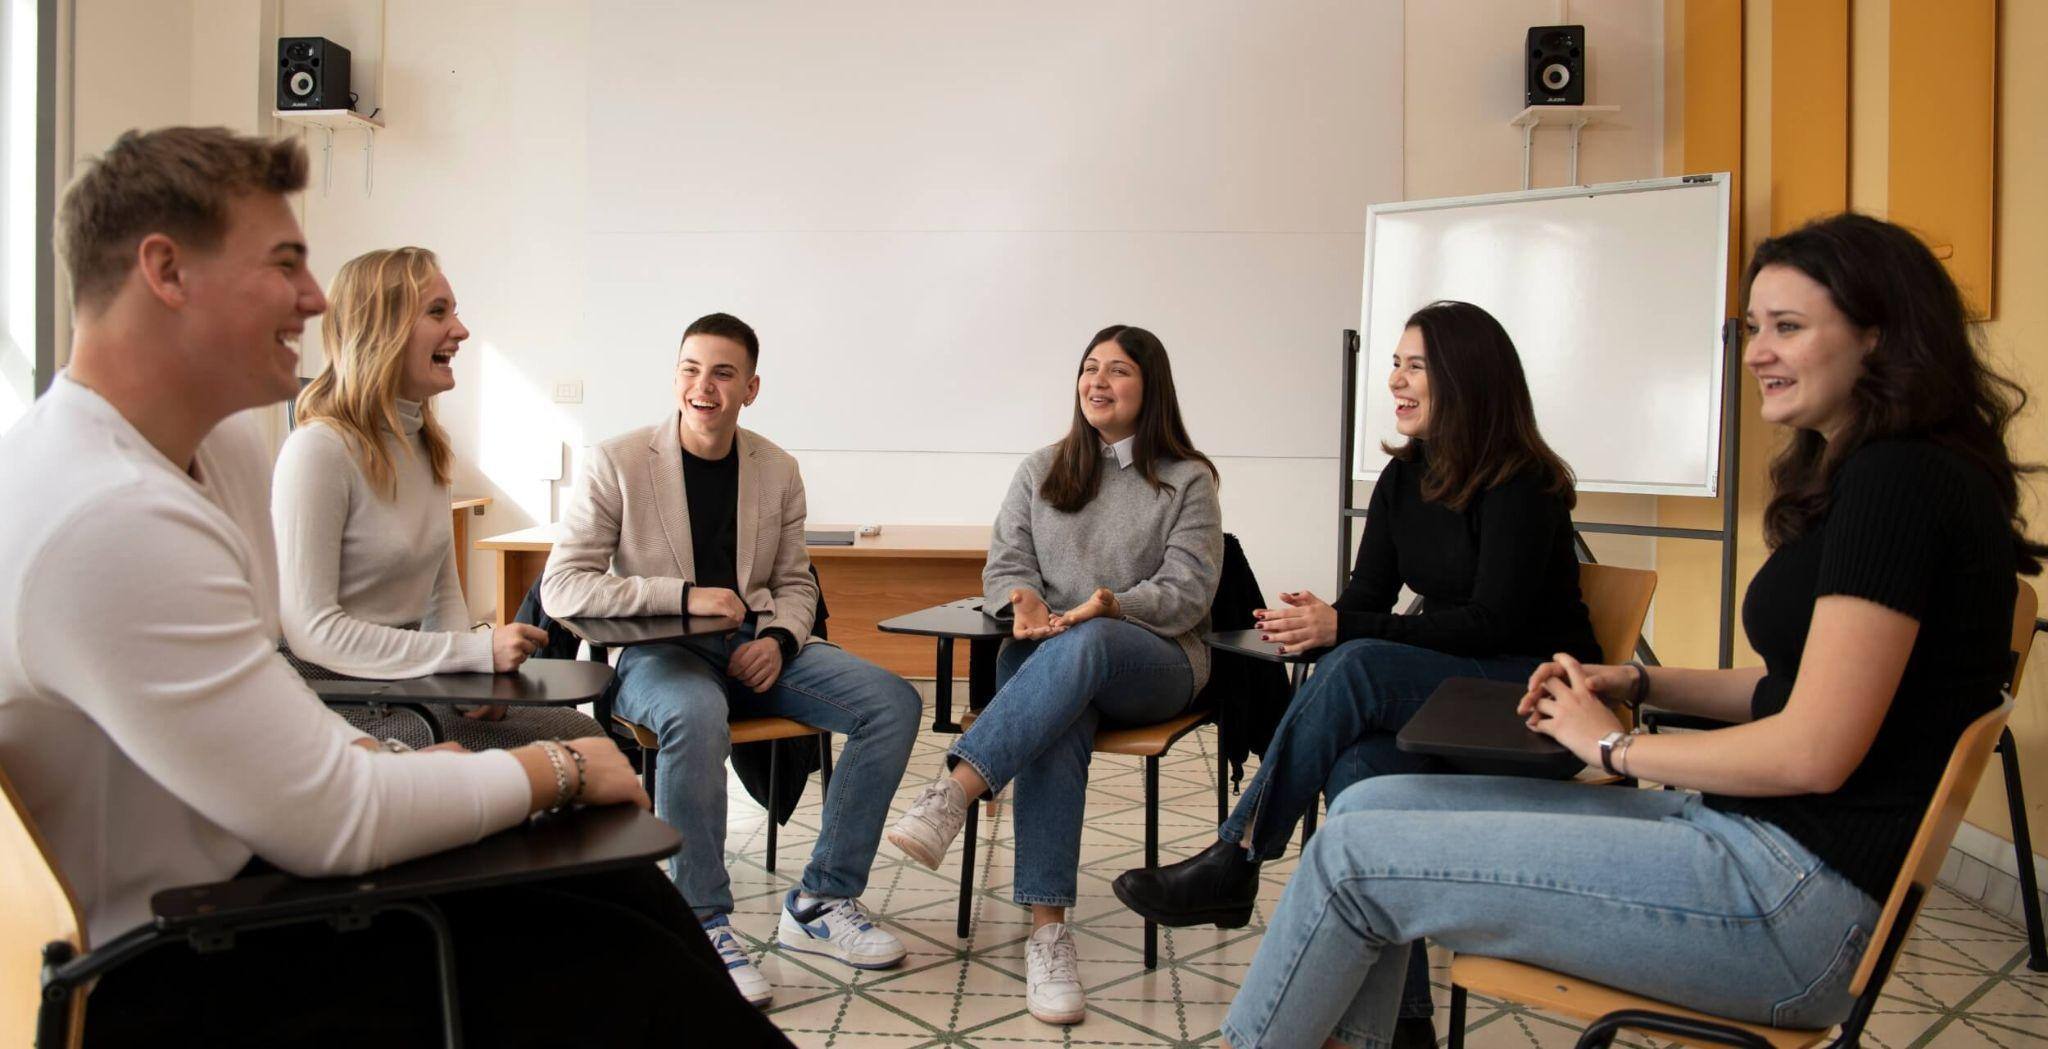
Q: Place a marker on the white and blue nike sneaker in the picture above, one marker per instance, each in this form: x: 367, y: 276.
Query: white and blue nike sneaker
x: 837, y: 928
x: 753, y: 986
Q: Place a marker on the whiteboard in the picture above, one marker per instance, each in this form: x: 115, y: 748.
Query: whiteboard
x: 1614, y: 296
x: 926, y: 208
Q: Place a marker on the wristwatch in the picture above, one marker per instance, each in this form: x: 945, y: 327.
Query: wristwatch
x: 1607, y: 743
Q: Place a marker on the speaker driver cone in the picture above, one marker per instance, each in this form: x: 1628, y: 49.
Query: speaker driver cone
x: 301, y: 83
x: 1556, y: 75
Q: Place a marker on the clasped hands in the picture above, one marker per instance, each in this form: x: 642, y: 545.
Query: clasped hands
x: 1035, y: 622
x: 1564, y: 702
x: 756, y: 664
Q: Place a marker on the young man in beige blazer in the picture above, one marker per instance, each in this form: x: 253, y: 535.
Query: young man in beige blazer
x: 694, y: 513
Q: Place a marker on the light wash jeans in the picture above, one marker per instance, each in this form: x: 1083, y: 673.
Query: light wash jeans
x: 1646, y: 890
x: 1039, y: 731
x: 1340, y: 730
x: 680, y: 690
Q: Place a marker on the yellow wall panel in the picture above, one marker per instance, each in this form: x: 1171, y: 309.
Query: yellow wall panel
x: 1809, y: 110
x: 1942, y: 128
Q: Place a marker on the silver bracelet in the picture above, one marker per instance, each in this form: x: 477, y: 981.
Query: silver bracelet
x: 1621, y: 755
x: 582, y: 771
x: 554, y: 752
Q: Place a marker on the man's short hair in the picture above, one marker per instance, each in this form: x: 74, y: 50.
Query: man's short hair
x: 176, y: 181
x: 726, y: 326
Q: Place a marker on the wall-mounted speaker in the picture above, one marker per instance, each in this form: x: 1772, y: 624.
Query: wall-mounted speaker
x: 312, y: 73
x: 1557, y: 65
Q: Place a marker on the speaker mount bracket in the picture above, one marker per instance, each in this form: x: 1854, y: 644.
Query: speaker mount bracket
x: 1572, y: 118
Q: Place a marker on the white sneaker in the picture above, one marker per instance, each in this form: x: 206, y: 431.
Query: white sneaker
x: 1052, y: 976
x: 928, y: 829
x: 837, y: 928
x: 754, y: 986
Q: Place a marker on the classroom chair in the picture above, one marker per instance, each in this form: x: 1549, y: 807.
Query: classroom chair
x: 1611, y: 1011
x: 1618, y: 602
x: 770, y: 730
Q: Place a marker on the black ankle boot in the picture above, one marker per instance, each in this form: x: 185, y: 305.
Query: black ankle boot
x: 1414, y: 1032
x: 1217, y: 885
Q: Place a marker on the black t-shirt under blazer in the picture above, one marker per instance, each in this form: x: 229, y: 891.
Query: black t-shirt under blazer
x: 1917, y: 528
x: 1498, y: 578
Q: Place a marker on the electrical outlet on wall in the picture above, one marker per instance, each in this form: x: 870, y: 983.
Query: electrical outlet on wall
x: 568, y: 391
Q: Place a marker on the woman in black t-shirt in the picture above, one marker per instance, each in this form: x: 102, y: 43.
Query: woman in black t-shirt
x: 1883, y: 616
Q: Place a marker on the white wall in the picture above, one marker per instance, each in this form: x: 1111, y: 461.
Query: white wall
x: 507, y: 152
x: 487, y: 160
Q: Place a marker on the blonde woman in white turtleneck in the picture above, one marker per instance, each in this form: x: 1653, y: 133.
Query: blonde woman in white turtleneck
x: 366, y: 557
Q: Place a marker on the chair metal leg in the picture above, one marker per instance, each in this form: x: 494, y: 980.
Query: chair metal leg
x: 2023, y: 853
x: 1601, y: 1033
x: 825, y: 763
x: 647, y: 759
x: 1457, y: 1040
x: 444, y: 964
x: 971, y: 829
x: 1222, y: 774
x: 1151, y: 853
x: 1308, y: 819
x: 774, y: 780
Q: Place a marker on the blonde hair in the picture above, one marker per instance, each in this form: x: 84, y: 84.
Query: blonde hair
x: 372, y: 307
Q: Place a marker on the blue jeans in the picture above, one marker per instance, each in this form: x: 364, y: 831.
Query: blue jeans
x: 680, y: 691
x: 1039, y: 731
x: 1339, y: 730
x: 1646, y: 890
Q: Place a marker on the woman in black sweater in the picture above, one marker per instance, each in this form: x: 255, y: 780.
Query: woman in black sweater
x: 1474, y: 514
x: 1883, y: 616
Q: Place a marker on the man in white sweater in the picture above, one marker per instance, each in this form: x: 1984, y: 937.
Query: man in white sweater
x: 146, y: 720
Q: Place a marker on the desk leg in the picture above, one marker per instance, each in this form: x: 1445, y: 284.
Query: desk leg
x: 942, y: 690
x: 461, y: 529
x: 1295, y: 672
x: 981, y: 671
x: 508, y: 602
x: 973, y: 826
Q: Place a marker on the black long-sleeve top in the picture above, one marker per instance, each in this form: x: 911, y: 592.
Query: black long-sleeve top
x: 1498, y: 578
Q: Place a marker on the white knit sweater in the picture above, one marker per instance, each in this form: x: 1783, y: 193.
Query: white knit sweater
x: 146, y: 718
x: 357, y: 566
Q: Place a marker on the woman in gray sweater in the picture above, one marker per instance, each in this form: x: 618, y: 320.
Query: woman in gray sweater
x: 360, y: 506
x: 1118, y: 526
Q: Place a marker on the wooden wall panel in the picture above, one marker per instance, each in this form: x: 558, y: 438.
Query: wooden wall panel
x: 1809, y: 111
x: 1944, y: 105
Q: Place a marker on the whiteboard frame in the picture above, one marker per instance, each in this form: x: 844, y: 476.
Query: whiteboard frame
x: 1720, y: 182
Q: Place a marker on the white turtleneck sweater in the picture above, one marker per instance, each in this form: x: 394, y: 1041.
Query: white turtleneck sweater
x: 356, y: 566
x: 146, y: 719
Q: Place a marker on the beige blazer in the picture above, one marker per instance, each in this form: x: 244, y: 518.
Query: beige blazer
x: 623, y: 546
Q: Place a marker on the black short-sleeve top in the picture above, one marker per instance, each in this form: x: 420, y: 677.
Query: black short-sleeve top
x: 1917, y: 528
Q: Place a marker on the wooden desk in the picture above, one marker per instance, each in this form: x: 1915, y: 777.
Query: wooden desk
x: 461, y: 510
x: 907, y: 567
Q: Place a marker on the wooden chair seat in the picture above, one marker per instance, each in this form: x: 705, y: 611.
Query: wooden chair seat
x: 1585, y: 1000
x: 1138, y: 741
x: 745, y: 730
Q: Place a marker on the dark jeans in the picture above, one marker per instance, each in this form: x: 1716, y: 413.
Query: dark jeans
x: 608, y: 959
x: 1339, y: 730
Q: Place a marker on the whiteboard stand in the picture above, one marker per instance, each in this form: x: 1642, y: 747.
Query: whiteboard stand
x: 1730, y: 487
x: 1573, y: 117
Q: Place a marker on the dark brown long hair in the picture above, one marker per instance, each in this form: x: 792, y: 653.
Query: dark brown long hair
x: 1924, y: 378
x: 1077, y: 466
x: 1482, y: 424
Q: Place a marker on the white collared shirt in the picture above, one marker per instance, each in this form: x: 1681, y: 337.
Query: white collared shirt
x: 1121, y: 449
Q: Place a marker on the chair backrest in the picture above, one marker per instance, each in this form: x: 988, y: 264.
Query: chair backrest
x: 1618, y: 600
x: 36, y: 908
x: 2025, y: 606
x: 1937, y: 829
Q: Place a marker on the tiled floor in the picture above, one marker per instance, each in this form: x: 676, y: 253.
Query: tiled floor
x: 1963, y: 980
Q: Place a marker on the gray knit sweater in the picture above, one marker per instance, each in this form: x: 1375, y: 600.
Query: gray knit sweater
x: 1159, y: 550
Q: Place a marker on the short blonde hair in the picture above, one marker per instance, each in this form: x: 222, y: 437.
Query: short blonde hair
x: 372, y: 307
x: 176, y: 181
